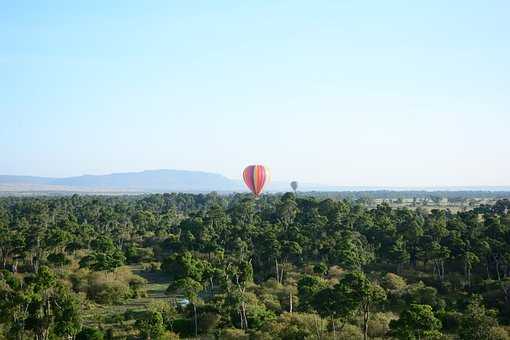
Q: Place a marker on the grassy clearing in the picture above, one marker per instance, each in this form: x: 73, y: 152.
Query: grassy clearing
x: 110, y: 316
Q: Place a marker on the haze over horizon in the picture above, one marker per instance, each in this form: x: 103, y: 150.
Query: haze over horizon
x: 338, y: 93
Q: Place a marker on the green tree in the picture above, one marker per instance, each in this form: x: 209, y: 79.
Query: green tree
x: 308, y: 287
x: 151, y: 325
x: 38, y: 304
x: 184, y: 265
x: 360, y: 291
x: 417, y: 322
x: 68, y: 314
x: 353, y: 294
x: 166, y: 310
x: 107, y: 262
x: 190, y: 288
x: 352, y: 251
x: 477, y: 322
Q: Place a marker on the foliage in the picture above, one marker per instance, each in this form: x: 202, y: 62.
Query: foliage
x: 418, y: 322
x: 151, y: 325
x: 280, y: 265
x: 294, y: 326
x: 90, y: 334
x: 478, y: 322
x: 393, y: 282
x: 379, y: 324
x: 233, y: 334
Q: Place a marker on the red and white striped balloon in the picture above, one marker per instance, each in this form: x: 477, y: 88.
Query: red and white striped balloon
x: 255, y: 177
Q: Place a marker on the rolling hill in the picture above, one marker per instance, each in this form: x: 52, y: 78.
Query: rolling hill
x: 145, y: 181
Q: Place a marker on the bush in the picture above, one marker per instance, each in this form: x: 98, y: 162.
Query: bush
x: 420, y: 294
x: 168, y: 335
x: 111, y: 288
x: 233, y: 334
x: 294, y: 326
x: 335, y: 272
x: 271, y: 302
x: 184, y: 327
x: 136, y: 254
x: 114, y: 318
x: 320, y: 269
x: 258, y: 315
x: 151, y: 266
x: 79, y: 280
x: 136, y: 285
x: 132, y: 314
x: 166, y: 310
x: 58, y: 259
x: 150, y: 325
x: 350, y: 332
x: 499, y: 333
x: 392, y: 281
x: 379, y: 324
x: 207, y: 321
x: 109, y: 292
x: 90, y: 334
x: 450, y: 320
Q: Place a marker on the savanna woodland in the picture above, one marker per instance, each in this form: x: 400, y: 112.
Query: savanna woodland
x: 169, y: 266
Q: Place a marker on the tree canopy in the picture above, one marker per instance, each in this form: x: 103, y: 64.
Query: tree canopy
x: 280, y: 266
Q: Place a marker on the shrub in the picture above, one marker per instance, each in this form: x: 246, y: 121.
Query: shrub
x: 499, y: 333
x: 184, y: 327
x: 335, y: 272
x: 233, y: 334
x: 136, y: 285
x: 109, y: 288
x: 168, y: 335
x: 151, y: 266
x: 133, y: 314
x: 79, y: 280
x: 58, y: 259
x: 90, y: 334
x: 271, y: 302
x: 294, y: 326
x: 392, y: 281
x: 320, y: 268
x: 258, y: 315
x: 379, y: 324
x: 207, y: 322
x: 450, y: 320
x: 166, y: 310
x: 108, y: 292
x: 350, y: 332
x: 136, y: 254
x: 151, y: 325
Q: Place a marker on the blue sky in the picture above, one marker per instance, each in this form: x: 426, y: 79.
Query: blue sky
x: 376, y: 93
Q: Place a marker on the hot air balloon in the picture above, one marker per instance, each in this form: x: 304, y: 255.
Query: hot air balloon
x: 294, y: 185
x: 255, y: 177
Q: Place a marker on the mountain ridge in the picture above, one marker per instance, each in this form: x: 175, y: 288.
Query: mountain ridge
x: 161, y: 180
x: 147, y: 180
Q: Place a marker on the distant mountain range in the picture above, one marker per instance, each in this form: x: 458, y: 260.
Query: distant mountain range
x: 171, y: 181
x: 145, y: 181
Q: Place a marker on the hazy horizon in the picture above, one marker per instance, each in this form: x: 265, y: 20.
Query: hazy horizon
x: 283, y: 185
x: 337, y: 93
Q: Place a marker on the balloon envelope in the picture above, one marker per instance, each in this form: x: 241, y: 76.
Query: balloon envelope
x: 294, y: 185
x: 255, y: 177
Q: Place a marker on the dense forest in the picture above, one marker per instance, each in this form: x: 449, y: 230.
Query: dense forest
x: 432, y: 195
x: 169, y: 266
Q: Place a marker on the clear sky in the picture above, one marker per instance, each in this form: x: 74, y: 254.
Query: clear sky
x: 376, y: 93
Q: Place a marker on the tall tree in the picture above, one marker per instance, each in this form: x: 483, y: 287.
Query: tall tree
x: 416, y: 323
